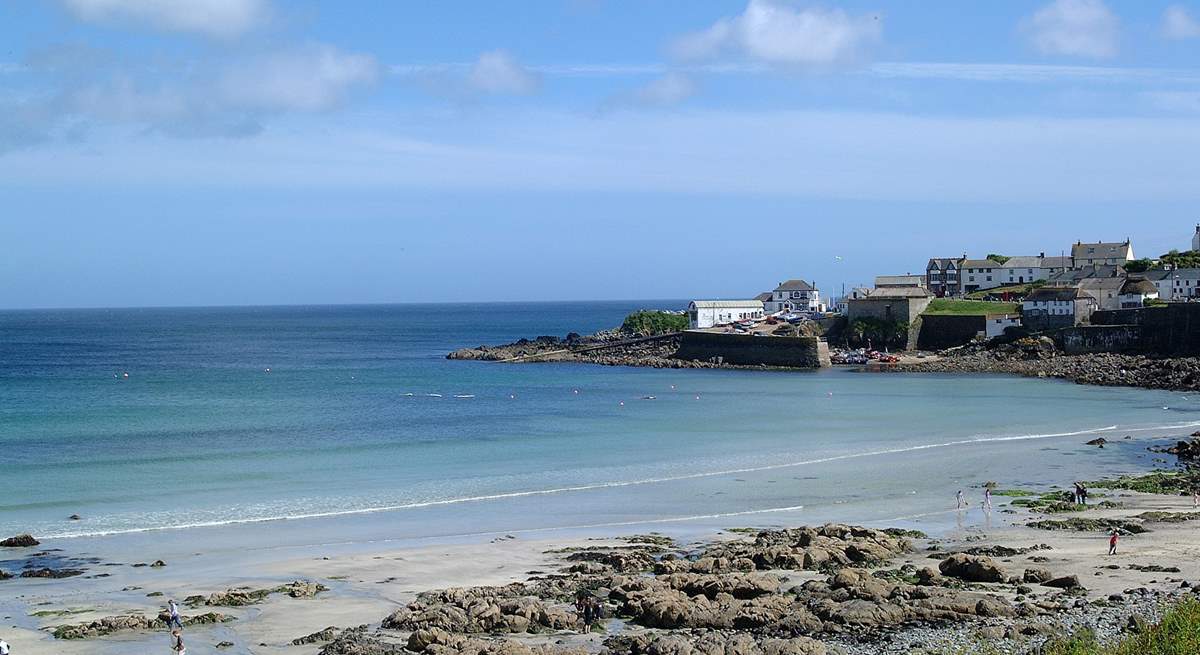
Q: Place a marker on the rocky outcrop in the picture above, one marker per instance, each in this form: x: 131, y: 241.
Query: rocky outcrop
x: 243, y: 597
x: 357, y: 641
x: 824, y: 548
x: 19, y: 541
x: 327, y: 634
x: 474, y: 611
x: 972, y: 568
x: 130, y: 622
x: 439, y: 642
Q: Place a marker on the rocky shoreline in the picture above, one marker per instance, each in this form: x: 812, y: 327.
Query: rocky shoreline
x: 803, y: 591
x: 1027, y: 357
x: 1038, y: 358
x: 815, y: 590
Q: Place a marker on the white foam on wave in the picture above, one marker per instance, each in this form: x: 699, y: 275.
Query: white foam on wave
x: 611, y: 485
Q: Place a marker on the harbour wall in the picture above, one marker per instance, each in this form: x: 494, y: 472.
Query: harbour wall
x: 748, y: 350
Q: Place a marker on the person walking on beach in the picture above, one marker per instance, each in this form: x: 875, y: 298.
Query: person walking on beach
x: 1082, y: 494
x: 962, y: 501
x: 1195, y: 498
x: 177, y: 643
x: 3, y: 647
x: 1112, y: 543
x: 987, y: 498
x: 173, y: 615
x: 1078, y: 494
x: 583, y: 610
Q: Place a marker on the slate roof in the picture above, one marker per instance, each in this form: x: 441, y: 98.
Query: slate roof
x: 1101, y: 250
x: 795, y: 285
x: 727, y: 304
x: 1045, y: 294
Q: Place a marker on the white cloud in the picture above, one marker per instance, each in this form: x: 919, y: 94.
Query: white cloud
x: 1178, y: 23
x: 233, y: 98
x: 1078, y: 28
x: 777, y: 33
x: 219, y: 18
x: 499, y: 72
x: 309, y: 80
x: 670, y: 89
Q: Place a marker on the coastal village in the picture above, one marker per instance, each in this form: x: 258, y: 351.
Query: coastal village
x: 963, y: 299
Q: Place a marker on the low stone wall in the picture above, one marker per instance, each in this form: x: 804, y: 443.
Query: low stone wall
x: 1086, y: 339
x: 747, y: 350
x: 938, y: 332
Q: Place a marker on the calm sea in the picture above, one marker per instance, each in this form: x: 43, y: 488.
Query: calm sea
x: 242, y: 415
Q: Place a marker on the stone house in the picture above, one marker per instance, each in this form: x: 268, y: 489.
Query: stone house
x: 1107, y: 254
x: 899, y: 304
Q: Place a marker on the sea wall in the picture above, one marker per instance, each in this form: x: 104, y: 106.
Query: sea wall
x: 938, y: 332
x: 1085, y: 339
x: 747, y: 350
x: 1173, y: 329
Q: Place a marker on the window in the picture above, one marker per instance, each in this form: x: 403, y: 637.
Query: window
x: 989, y: 278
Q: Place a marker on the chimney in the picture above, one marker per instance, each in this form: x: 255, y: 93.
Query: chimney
x: 1042, y: 254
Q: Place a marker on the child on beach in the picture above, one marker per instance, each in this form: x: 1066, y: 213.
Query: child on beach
x: 1195, y: 498
x: 962, y: 502
x: 987, y: 497
x: 177, y: 643
x: 3, y: 647
x: 1112, y: 543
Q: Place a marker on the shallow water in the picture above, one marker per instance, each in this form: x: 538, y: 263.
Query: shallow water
x: 355, y: 431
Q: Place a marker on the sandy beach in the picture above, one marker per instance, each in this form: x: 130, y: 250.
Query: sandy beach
x: 367, y: 582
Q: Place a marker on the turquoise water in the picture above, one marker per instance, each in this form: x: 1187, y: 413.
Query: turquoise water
x: 345, y: 427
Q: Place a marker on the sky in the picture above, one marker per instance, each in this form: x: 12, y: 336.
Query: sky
x: 234, y: 152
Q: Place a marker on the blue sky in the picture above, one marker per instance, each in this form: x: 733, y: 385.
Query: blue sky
x: 259, y: 151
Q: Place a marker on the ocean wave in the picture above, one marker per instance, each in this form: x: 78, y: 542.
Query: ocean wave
x: 610, y: 484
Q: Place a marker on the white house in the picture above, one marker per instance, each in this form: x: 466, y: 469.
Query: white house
x: 1055, y: 307
x: 978, y: 274
x: 1136, y: 291
x: 996, y: 324
x: 707, y: 313
x: 1175, y: 284
x: 1022, y: 270
x: 794, y: 296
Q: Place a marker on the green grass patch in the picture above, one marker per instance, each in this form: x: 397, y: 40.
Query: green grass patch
x: 950, y: 307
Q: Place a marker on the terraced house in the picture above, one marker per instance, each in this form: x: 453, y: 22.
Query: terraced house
x: 943, y: 276
x: 978, y: 274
